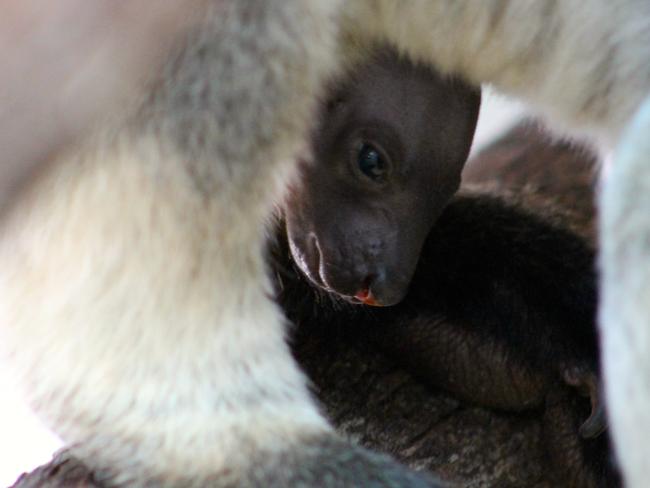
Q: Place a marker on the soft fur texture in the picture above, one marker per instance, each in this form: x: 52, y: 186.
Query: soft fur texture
x: 585, y: 65
x: 133, y: 278
x: 625, y: 309
x: 370, y: 398
x: 140, y: 254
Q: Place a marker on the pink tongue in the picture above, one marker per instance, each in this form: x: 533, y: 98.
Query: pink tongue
x: 365, y: 296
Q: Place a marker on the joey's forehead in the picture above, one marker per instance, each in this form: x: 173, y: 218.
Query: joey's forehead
x: 417, y: 130
x: 389, y: 96
x: 414, y: 108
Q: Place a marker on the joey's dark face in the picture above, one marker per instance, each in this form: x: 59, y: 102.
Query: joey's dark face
x: 389, y: 150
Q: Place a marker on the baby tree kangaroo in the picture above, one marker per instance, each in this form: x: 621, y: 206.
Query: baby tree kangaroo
x: 389, y: 148
x: 502, y: 300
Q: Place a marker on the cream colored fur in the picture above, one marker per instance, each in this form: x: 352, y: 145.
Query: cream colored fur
x: 625, y: 307
x: 581, y: 63
x: 133, y: 297
x: 134, y: 301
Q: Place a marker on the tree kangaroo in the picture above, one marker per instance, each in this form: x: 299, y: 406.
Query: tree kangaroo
x: 497, y: 296
x: 135, y: 358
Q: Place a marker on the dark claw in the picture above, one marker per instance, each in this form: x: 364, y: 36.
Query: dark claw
x: 586, y: 382
x: 596, y: 424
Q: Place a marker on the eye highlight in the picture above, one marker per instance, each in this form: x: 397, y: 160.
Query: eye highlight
x: 371, y: 162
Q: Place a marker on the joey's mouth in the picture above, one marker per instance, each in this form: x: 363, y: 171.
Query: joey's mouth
x: 366, y: 297
x: 313, y: 266
x: 363, y: 296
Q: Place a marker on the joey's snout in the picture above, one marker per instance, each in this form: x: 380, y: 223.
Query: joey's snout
x: 360, y: 268
x: 375, y: 265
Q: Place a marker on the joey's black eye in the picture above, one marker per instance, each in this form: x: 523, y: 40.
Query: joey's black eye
x: 371, y: 163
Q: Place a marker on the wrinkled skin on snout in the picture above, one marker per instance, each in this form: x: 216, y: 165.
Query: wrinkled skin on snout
x: 388, y: 152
